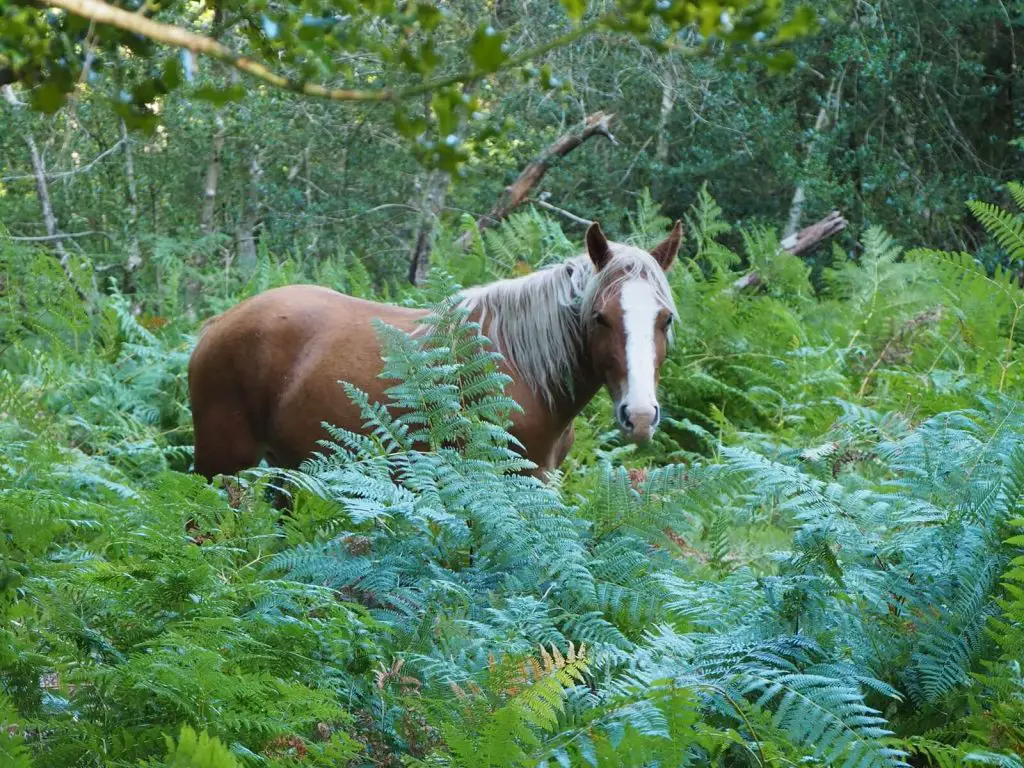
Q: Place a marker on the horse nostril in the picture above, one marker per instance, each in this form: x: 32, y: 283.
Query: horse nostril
x: 657, y: 415
x: 624, y: 417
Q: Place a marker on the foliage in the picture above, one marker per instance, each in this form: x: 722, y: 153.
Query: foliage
x: 829, y: 572
x: 410, y: 47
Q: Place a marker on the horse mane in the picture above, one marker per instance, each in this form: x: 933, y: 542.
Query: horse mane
x: 540, y: 321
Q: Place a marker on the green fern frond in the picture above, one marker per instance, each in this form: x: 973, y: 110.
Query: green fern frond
x: 1007, y: 228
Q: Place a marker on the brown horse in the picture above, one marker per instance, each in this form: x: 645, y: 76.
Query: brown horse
x: 264, y: 374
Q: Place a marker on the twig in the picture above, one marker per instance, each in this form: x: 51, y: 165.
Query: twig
x: 55, y: 236
x: 636, y: 157
x: 561, y: 211
x: 64, y: 174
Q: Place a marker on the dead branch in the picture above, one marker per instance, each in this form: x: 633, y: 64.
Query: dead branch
x: 51, y: 238
x: 64, y: 174
x: 804, y: 241
x: 810, y: 237
x: 516, y: 193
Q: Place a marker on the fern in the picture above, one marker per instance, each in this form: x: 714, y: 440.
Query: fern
x: 828, y: 575
x: 1007, y: 228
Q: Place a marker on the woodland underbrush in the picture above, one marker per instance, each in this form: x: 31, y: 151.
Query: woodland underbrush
x: 818, y: 562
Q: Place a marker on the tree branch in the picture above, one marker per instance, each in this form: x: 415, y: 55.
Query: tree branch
x: 804, y: 241
x: 517, y: 192
x: 51, y: 238
x: 64, y: 174
x: 561, y: 211
x: 175, y: 36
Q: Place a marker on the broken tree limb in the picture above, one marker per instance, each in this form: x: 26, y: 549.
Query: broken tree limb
x: 808, y: 238
x: 804, y: 241
x: 517, y: 192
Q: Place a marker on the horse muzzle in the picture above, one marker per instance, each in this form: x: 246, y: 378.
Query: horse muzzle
x: 638, y: 423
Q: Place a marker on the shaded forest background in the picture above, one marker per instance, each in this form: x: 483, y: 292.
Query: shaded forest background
x: 895, y: 114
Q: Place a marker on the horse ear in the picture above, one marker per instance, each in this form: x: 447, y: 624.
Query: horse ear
x: 597, y: 246
x: 665, y: 251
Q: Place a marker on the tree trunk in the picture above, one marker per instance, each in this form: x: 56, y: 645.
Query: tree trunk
x: 212, y: 177
x: 246, y: 233
x: 796, y: 206
x: 435, y: 190
x: 668, y: 103
x: 596, y: 124
x: 134, y: 251
x: 45, y: 206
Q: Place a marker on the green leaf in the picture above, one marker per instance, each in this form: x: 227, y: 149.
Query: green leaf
x: 48, y: 98
x: 780, y: 62
x: 220, y: 96
x: 575, y: 8
x: 804, y: 22
x: 428, y: 15
x: 407, y: 126
x: 486, y: 49
x: 171, y: 78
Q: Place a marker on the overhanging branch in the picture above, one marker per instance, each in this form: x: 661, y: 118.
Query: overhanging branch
x: 170, y: 34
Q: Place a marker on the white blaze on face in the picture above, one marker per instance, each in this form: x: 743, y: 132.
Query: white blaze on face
x: 640, y: 309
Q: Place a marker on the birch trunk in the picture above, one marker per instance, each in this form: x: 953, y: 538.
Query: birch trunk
x: 435, y: 190
x: 796, y: 206
x: 212, y: 177
x: 245, y: 236
x: 134, y: 251
x: 45, y: 206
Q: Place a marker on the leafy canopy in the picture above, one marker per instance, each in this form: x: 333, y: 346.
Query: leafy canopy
x: 378, y: 51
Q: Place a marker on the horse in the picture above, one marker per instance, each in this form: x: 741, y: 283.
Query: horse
x: 264, y: 374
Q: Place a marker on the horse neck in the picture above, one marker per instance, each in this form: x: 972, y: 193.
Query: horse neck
x: 586, y: 384
x: 565, y: 406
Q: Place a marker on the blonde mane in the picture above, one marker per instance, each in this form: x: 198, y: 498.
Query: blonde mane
x: 539, y: 322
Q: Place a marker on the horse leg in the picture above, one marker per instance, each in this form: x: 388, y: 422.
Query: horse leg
x: 225, y: 443
x: 563, y: 446
x: 557, y: 454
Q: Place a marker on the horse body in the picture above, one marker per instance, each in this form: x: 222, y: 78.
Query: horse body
x: 264, y: 374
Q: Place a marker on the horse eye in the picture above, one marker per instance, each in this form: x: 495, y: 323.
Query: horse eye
x: 668, y: 321
x: 602, y: 320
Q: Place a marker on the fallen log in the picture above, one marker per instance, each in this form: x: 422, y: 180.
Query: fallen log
x: 518, y: 192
